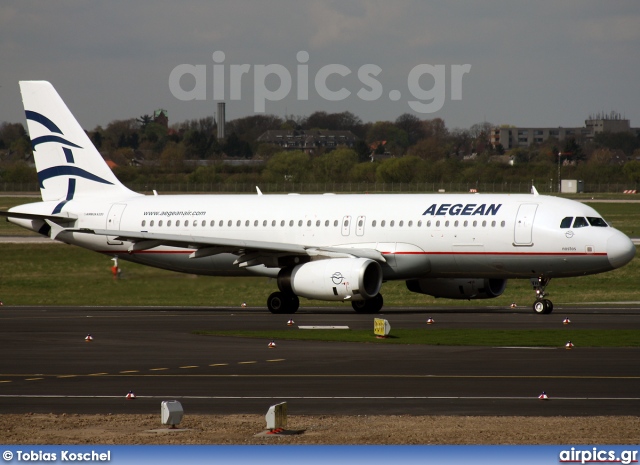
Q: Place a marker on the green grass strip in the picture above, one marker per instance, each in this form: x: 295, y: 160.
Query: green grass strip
x: 455, y: 337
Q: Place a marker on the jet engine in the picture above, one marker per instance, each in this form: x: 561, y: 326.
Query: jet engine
x: 333, y: 279
x: 458, y: 288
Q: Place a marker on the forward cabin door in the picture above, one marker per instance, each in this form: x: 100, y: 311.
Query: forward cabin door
x: 523, y: 232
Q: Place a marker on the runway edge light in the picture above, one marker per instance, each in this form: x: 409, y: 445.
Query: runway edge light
x: 171, y: 412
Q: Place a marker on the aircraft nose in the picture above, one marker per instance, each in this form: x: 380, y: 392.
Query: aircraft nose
x: 620, y: 250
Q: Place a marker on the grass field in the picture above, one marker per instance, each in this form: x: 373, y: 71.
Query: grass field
x: 58, y: 274
x: 454, y: 337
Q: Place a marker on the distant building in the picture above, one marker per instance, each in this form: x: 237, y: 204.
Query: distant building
x: 308, y: 141
x: 161, y: 117
x: 524, y: 137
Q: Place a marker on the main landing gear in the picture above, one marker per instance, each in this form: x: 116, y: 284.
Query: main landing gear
x: 541, y: 305
x: 368, y: 306
x: 286, y: 302
x: 283, y: 302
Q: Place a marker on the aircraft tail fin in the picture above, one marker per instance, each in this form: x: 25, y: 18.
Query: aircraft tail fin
x: 68, y: 164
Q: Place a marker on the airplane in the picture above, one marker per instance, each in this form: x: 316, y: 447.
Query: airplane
x: 327, y: 247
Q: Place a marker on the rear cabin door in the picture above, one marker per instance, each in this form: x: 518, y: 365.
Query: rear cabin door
x: 113, y: 221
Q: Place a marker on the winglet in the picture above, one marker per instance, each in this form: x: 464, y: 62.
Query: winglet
x: 534, y: 191
x: 259, y: 191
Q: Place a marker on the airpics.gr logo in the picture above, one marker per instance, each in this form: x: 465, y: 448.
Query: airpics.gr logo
x: 61, y: 170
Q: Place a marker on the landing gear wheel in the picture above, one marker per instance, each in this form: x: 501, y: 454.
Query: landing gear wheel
x: 543, y: 306
x: 368, y: 306
x: 283, y: 302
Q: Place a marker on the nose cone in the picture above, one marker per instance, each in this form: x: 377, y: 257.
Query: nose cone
x: 620, y: 250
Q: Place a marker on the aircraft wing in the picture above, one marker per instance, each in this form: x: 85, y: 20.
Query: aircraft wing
x: 250, y: 252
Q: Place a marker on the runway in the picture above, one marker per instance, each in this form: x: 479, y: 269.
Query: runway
x: 47, y: 366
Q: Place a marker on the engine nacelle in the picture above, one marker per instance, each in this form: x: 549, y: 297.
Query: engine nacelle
x: 458, y: 288
x: 333, y: 279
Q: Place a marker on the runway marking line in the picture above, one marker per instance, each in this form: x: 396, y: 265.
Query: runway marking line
x: 219, y: 365
x: 505, y: 398
x: 328, y: 375
x: 157, y: 369
x: 247, y: 363
x: 129, y: 371
x: 33, y: 379
x: 188, y: 366
x: 276, y: 360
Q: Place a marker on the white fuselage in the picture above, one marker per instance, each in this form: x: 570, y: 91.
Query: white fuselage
x: 419, y: 235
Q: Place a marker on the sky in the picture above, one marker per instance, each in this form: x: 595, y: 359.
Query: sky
x: 547, y: 63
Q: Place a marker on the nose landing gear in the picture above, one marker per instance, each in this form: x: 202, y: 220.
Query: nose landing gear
x: 541, y: 305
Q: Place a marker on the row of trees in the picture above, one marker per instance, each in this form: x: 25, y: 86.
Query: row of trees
x: 422, y: 150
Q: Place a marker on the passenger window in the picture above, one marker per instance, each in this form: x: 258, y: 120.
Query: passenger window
x: 360, y: 223
x: 420, y: 223
x: 317, y: 223
x: 144, y: 223
x: 503, y: 224
x: 290, y: 223
x: 475, y: 223
x: 308, y: 223
x: 438, y: 224
x: 580, y: 222
x: 221, y: 224
x: 204, y: 223
x: 212, y: 224
x: 255, y: 223
x: 484, y: 224
x: 151, y: 223
x: 410, y: 223
x: 599, y: 222
x: 264, y: 223
x: 429, y: 224
x: 493, y: 224
x: 335, y: 223
x: 230, y: 223
x: 455, y: 223
x: 326, y: 223
x: 566, y: 222
x: 401, y: 223
x: 382, y: 223
x: 238, y: 223
x: 391, y: 223
x: 177, y: 223
x: 373, y: 223
x: 466, y: 223
x: 169, y: 223
x: 446, y: 224
x: 300, y: 223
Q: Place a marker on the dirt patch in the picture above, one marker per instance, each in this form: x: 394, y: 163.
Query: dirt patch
x: 362, y: 429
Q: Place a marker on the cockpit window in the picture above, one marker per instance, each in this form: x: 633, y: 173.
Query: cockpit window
x: 599, y: 222
x: 580, y: 222
x: 566, y: 222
